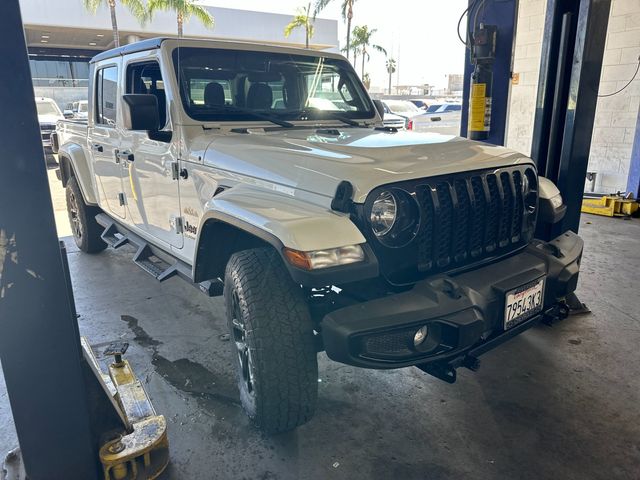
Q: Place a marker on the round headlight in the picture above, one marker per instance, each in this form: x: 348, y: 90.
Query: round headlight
x: 383, y: 213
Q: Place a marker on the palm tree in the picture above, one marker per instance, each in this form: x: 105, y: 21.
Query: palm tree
x: 184, y: 10
x: 391, y: 69
x: 136, y: 7
x: 302, y: 19
x: 366, y: 79
x: 347, y: 15
x: 355, y: 49
x: 362, y: 38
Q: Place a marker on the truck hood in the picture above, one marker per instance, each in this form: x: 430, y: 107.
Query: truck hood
x: 49, y: 118
x: 317, y: 160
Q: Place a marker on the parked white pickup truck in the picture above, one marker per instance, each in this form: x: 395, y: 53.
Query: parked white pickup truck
x: 323, y: 229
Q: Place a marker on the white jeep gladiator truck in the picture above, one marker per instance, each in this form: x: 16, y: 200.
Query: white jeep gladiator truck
x: 265, y: 174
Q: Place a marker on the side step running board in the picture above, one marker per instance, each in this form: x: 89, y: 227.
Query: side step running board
x: 157, y: 263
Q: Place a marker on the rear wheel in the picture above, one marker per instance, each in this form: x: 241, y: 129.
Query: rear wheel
x: 272, y: 341
x: 82, y: 218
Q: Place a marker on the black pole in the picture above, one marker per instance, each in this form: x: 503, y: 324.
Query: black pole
x: 584, y: 83
x: 39, y: 345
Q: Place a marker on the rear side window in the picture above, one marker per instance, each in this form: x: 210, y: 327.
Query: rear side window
x: 106, y: 95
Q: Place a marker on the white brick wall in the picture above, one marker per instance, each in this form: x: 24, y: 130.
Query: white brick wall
x: 526, y: 63
x: 616, y: 117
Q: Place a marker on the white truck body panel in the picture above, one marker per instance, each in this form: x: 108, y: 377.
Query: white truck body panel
x: 279, y: 180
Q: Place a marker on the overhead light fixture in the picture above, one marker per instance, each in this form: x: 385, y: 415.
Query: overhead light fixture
x: 44, y: 41
x: 99, y: 35
x: 93, y: 44
x: 44, y: 36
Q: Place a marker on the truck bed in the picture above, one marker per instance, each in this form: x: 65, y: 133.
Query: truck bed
x: 74, y: 131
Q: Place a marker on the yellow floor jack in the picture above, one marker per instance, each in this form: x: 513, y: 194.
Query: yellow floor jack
x: 131, y: 437
x: 141, y: 451
x: 610, y: 205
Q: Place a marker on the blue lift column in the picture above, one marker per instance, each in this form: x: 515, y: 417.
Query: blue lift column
x: 633, y: 182
x: 501, y: 14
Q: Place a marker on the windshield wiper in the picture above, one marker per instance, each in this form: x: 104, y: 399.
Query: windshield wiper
x: 331, y: 114
x: 248, y: 111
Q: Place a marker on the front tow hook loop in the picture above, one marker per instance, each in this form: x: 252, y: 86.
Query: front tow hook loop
x: 443, y: 372
x: 472, y: 363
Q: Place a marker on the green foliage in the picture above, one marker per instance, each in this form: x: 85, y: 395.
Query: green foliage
x: 391, y: 66
x: 184, y: 10
x: 136, y: 7
x: 302, y: 19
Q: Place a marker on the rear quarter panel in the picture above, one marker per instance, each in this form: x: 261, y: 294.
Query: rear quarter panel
x: 73, y: 149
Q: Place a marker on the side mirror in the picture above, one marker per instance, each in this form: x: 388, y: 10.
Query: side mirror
x: 67, y: 114
x: 379, y: 107
x: 141, y: 112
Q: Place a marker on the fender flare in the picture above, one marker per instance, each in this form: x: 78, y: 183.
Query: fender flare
x: 251, y: 218
x: 73, y: 154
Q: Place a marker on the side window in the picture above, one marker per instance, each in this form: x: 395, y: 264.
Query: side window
x: 146, y: 78
x: 106, y: 96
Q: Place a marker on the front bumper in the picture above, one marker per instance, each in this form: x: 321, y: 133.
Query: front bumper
x: 464, y: 312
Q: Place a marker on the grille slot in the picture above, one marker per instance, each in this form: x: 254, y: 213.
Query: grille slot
x: 470, y: 216
x: 444, y: 225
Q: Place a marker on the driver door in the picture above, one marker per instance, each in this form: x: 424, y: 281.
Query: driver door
x: 148, y: 165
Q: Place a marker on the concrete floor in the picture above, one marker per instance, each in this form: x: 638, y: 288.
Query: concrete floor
x: 558, y: 402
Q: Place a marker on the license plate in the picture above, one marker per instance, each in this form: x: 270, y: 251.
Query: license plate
x: 523, y: 302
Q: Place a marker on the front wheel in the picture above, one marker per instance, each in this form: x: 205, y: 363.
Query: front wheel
x: 82, y: 218
x: 272, y: 341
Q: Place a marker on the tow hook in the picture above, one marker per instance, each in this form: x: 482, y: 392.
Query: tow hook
x: 556, y: 314
x: 472, y: 363
x: 442, y: 371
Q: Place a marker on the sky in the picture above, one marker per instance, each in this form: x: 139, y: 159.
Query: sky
x: 419, y: 34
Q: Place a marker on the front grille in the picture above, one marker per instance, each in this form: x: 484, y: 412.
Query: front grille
x: 465, y: 218
x: 474, y: 216
x: 46, y: 126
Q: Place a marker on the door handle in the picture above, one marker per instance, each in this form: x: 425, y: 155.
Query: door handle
x: 97, y: 147
x: 125, y: 155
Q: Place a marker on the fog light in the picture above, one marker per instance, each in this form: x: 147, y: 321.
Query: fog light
x: 420, y: 336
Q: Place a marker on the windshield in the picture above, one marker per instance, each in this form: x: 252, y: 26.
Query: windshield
x: 48, y: 108
x: 226, y: 85
x: 433, y: 108
x: 403, y: 107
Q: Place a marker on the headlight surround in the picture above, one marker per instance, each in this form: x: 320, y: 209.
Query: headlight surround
x: 394, y: 217
x: 383, y: 213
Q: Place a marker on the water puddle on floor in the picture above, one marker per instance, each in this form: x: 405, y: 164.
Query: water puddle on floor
x: 186, y: 375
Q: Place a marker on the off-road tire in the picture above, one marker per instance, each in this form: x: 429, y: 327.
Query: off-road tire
x: 283, y: 368
x: 82, y: 219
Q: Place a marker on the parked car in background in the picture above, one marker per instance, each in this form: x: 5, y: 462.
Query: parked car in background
x: 392, y: 120
x: 444, y: 108
x: 405, y: 109
x: 80, y: 109
x: 421, y: 104
x: 48, y: 115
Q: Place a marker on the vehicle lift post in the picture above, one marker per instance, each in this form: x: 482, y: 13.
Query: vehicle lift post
x: 573, y: 46
x: 39, y: 340
x: 500, y: 16
x: 575, y: 32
